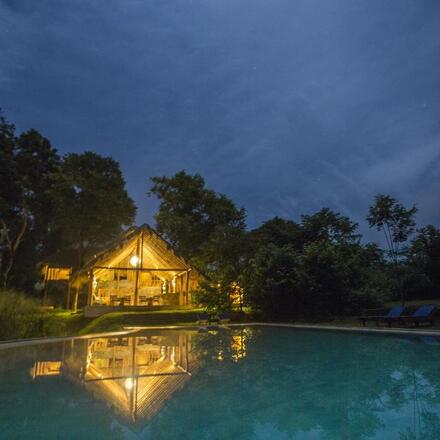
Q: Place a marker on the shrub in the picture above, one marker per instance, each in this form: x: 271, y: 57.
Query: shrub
x: 214, y: 296
x: 323, y: 280
x: 22, y: 317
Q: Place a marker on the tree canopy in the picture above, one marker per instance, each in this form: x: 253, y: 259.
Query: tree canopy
x: 314, y: 267
x: 317, y: 264
x: 91, y: 204
x: 191, y: 215
x: 50, y: 204
x: 396, y: 222
x: 28, y: 166
x: 204, y: 227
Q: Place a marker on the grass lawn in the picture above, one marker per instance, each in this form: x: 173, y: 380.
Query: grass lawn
x: 118, y: 320
x: 76, y: 324
x: 417, y: 302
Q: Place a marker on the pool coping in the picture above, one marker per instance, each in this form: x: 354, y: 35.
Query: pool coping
x: 383, y: 330
x: 36, y: 341
x: 135, y: 329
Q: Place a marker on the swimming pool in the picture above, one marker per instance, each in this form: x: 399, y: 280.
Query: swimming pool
x: 240, y: 383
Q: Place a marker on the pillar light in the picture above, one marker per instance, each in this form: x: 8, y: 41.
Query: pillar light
x: 134, y: 260
x: 129, y: 383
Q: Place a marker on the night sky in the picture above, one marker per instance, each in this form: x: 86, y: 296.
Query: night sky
x: 286, y: 106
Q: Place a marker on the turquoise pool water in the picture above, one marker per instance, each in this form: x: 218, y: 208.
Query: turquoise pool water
x: 247, y: 383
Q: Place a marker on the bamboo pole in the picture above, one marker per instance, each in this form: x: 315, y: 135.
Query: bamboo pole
x: 69, y: 288
x: 75, y: 299
x: 90, y: 288
x: 136, y: 288
x: 187, y: 286
x: 181, y: 297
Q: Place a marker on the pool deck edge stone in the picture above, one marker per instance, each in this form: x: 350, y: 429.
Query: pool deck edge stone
x: 52, y: 339
x: 395, y: 331
x: 129, y: 330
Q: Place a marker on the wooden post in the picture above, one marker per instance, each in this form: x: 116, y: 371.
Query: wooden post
x: 90, y: 288
x: 117, y: 273
x: 136, y: 287
x: 75, y: 300
x: 69, y: 288
x: 181, y: 302
x: 187, y: 286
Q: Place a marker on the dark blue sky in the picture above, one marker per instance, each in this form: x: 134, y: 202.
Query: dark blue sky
x: 285, y: 105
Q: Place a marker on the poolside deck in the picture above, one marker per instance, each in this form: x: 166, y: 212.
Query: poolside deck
x: 131, y: 330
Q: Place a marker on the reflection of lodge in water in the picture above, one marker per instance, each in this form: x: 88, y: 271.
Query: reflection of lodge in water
x: 133, y: 375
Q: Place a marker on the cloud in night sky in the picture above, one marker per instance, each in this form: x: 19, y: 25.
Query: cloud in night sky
x: 285, y: 105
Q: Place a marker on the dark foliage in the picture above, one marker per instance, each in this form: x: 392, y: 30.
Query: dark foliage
x: 316, y: 267
x: 320, y: 270
x: 27, y: 168
x: 91, y: 203
x: 49, y: 204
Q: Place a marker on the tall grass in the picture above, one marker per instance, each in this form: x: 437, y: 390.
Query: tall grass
x: 22, y: 317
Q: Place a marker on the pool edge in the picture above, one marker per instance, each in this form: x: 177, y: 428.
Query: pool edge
x: 134, y: 329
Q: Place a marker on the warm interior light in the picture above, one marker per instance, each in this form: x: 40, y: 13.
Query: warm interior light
x: 129, y: 382
x: 134, y: 260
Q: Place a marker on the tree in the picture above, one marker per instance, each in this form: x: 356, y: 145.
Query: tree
x: 326, y: 225
x: 270, y: 282
x: 315, y: 267
x: 334, y: 277
x: 424, y: 259
x: 190, y: 215
x: 204, y: 227
x: 276, y: 231
x: 396, y: 222
x: 11, y: 206
x: 90, y: 201
x: 27, y: 167
x: 39, y: 163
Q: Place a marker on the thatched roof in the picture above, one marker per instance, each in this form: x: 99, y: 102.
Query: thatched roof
x: 156, y: 253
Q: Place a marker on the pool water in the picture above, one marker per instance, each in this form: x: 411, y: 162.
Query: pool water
x: 241, y: 383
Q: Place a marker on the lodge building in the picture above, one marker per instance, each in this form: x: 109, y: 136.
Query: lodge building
x: 139, y: 270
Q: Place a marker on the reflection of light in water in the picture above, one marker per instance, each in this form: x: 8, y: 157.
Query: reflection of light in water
x: 46, y: 368
x: 129, y: 383
x: 88, y: 360
x: 238, y: 346
x: 156, y: 370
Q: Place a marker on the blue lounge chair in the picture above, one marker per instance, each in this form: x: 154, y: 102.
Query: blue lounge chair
x: 393, y: 314
x: 421, y: 315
